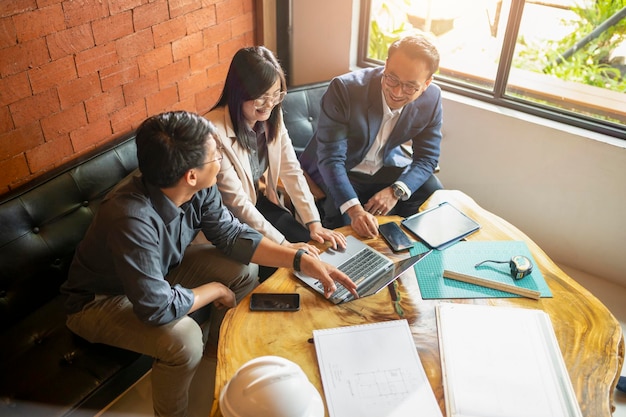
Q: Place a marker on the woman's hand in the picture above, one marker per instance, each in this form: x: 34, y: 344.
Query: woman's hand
x: 312, y: 250
x: 321, y: 234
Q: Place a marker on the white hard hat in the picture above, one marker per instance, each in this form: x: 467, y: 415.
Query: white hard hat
x: 270, y: 386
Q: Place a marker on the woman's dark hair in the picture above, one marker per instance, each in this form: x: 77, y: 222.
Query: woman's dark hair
x: 170, y: 144
x: 252, y: 72
x: 417, y: 47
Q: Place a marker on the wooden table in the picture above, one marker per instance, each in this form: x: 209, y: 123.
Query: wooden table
x: 589, y: 336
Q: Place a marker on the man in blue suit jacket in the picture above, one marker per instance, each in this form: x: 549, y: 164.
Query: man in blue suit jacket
x: 355, y: 155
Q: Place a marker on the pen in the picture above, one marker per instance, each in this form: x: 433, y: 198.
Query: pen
x: 392, y: 291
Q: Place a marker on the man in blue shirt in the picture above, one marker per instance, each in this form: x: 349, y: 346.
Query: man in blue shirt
x: 135, y: 277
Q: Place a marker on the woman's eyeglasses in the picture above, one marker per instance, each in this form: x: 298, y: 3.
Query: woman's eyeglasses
x: 274, y: 98
x: 407, y: 88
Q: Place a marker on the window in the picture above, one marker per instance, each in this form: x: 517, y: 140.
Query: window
x: 560, y: 59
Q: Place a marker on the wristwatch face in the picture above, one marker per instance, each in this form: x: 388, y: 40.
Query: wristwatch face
x: 397, y: 191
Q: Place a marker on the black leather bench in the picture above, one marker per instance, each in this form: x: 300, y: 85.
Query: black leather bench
x: 301, y: 112
x: 45, y: 369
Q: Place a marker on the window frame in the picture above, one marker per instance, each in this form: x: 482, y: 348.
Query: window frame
x: 497, y: 95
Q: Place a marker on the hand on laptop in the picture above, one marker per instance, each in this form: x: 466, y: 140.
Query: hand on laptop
x: 311, y: 250
x: 321, y: 234
x: 327, y: 275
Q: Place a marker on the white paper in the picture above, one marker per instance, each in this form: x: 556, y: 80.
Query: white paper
x: 502, y: 362
x: 373, y: 370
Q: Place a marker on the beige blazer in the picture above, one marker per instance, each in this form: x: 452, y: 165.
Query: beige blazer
x: 237, y: 187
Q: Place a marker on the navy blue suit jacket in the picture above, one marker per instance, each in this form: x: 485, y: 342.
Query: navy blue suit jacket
x: 350, y: 117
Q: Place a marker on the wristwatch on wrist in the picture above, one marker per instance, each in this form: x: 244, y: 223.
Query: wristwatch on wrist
x: 398, y: 192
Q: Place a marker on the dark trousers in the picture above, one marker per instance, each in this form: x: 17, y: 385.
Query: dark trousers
x: 285, y: 222
x: 368, y: 185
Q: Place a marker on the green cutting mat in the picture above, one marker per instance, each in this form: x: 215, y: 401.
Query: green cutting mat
x: 462, y: 257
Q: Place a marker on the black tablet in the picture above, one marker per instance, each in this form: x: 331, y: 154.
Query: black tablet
x: 441, y: 226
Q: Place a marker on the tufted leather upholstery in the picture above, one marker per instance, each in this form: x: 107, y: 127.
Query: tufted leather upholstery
x: 45, y: 369
x: 301, y: 112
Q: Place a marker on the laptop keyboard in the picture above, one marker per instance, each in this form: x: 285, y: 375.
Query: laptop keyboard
x: 360, y: 266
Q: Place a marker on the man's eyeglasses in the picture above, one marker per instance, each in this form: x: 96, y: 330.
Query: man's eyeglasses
x: 407, y: 88
x: 275, y: 98
x: 219, y: 157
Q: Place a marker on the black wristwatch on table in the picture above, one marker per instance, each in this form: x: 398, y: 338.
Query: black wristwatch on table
x: 398, y: 192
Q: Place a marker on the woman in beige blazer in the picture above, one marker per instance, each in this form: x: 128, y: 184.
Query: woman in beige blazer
x: 258, y: 151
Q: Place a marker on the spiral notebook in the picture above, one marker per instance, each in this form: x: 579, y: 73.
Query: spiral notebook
x: 373, y: 370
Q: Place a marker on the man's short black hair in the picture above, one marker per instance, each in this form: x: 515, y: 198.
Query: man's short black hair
x: 418, y: 47
x: 169, y: 144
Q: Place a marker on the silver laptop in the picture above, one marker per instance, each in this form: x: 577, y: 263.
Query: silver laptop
x: 371, y: 270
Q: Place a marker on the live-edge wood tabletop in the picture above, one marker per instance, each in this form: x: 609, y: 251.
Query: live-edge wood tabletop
x: 589, y: 336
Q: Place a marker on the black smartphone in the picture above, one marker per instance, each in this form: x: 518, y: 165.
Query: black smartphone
x: 395, y: 237
x: 260, y: 301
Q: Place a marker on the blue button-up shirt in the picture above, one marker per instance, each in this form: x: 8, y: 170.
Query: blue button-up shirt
x: 138, y: 236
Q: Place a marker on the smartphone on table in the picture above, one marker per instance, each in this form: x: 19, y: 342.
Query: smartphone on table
x: 395, y: 236
x: 260, y: 301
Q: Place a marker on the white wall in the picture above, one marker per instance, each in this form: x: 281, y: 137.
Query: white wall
x: 320, y: 39
x: 563, y: 187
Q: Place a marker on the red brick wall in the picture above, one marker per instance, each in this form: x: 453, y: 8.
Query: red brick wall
x: 75, y: 74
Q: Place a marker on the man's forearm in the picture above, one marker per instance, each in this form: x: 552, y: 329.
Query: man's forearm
x: 270, y: 253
